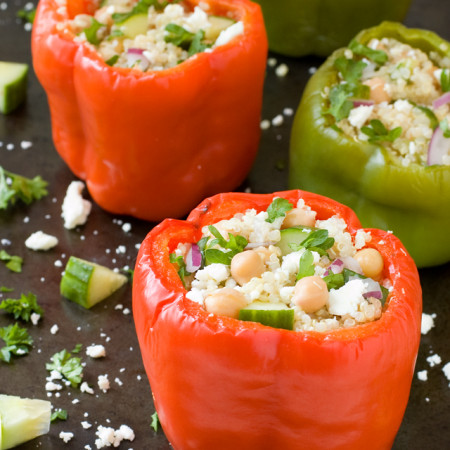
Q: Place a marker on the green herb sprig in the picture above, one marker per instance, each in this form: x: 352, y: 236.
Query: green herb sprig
x: 12, y: 262
x: 68, y: 366
x: 379, y: 57
x: 377, y: 132
x: 278, y: 208
x: 17, y: 342
x: 23, y: 307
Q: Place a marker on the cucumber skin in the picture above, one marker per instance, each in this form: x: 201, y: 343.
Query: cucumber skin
x: 275, y: 318
x: 294, y: 235
x: 75, y: 281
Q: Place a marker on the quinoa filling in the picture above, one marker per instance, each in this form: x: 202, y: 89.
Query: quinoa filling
x: 152, y: 34
x: 285, y: 269
x: 392, y: 94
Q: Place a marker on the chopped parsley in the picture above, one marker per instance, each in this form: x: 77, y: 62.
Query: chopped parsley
x: 91, y: 32
x: 27, y: 15
x: 141, y: 7
x: 111, y: 61
x: 6, y: 289
x: 340, y: 95
x: 306, y: 265
x: 17, y: 342
x: 334, y: 280
x: 23, y: 307
x: 58, y: 414
x: 278, y: 208
x: 12, y: 262
x: 155, y: 422
x: 317, y: 241
x: 434, y: 122
x: 377, y: 56
x: 14, y: 187
x: 377, y: 132
x: 179, y: 36
x: 69, y: 367
x: 445, y: 80
x: 179, y: 261
x: 350, y: 69
x: 444, y: 126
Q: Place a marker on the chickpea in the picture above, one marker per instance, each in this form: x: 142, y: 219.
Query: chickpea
x: 310, y: 294
x: 225, y: 302
x: 371, y: 262
x: 299, y: 216
x: 377, y: 91
x: 246, y: 265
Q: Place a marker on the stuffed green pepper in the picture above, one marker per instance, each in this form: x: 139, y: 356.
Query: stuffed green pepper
x: 373, y: 131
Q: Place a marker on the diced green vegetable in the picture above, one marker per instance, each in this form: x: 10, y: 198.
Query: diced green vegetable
x: 87, y: 283
x: 218, y: 24
x: 133, y: 26
x: 276, y: 315
x: 22, y: 419
x: 292, y: 236
x: 13, y: 85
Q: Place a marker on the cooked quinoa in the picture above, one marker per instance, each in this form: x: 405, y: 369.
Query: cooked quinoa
x: 152, y: 35
x: 403, y: 90
x: 345, y: 306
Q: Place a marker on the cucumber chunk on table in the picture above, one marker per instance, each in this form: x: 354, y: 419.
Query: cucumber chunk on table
x: 13, y: 85
x: 218, y: 24
x: 294, y: 235
x: 87, y: 283
x: 276, y: 315
x: 22, y: 419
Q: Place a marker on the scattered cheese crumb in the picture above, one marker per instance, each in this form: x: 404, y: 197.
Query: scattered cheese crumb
x: 427, y: 322
x: 54, y: 329
x: 422, y: 375
x: 126, y: 227
x: 288, y: 112
x: 35, y: 318
x: 86, y: 388
x: 25, y: 145
x: 103, y: 382
x: 66, y: 436
x: 96, y: 351
x: 86, y: 425
x: 108, y: 437
x: 446, y: 370
x: 265, y: 124
x: 271, y: 62
x: 75, y: 208
x: 433, y: 360
x: 277, y: 120
x: 282, y: 70
x: 41, y: 241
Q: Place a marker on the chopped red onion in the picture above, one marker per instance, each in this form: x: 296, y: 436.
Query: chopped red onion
x: 136, y: 55
x: 193, y: 259
x: 373, y: 289
x: 438, y: 148
x: 357, y: 103
x: 351, y: 264
x: 337, y: 266
x: 442, y: 100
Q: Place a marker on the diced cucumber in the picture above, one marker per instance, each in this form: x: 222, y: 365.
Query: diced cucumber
x: 134, y: 25
x: 294, y: 235
x: 276, y: 315
x: 22, y: 419
x: 13, y: 85
x: 87, y: 283
x: 218, y: 24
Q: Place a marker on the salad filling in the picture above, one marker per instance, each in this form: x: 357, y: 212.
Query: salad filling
x: 283, y: 268
x: 395, y: 95
x: 152, y: 34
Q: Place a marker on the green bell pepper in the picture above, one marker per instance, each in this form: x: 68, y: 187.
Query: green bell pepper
x: 413, y: 201
x: 303, y: 27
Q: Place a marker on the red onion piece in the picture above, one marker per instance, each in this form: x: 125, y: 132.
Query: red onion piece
x: 357, y: 103
x: 442, y: 100
x: 337, y: 266
x: 136, y: 55
x: 439, y: 147
x: 193, y: 259
x: 373, y: 289
x: 351, y: 264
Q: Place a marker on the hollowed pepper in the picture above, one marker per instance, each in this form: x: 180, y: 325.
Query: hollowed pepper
x: 410, y: 200
x: 153, y: 144
x: 303, y: 27
x: 222, y: 383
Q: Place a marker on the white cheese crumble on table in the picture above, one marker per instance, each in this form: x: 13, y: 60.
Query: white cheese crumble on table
x: 103, y: 382
x: 278, y: 120
x: 35, y: 318
x: 66, y: 436
x: 282, y: 70
x: 96, y: 351
x: 108, y: 437
x: 422, y: 375
x: 75, y: 209
x: 86, y: 388
x: 427, y: 322
x: 446, y: 370
x: 86, y: 425
x: 41, y: 241
x: 54, y: 329
x: 434, y: 360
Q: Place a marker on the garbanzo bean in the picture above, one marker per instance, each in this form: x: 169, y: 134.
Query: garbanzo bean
x: 299, y: 216
x: 310, y: 294
x: 371, y: 262
x: 377, y: 91
x: 246, y: 265
x: 226, y: 302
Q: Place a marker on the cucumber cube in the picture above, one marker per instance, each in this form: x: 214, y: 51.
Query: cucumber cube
x: 13, y: 85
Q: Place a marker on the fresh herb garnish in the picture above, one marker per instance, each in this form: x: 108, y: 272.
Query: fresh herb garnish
x: 22, y: 307
x: 306, y: 265
x: 444, y: 126
x: 27, y: 15
x: 340, y: 95
x: 5, y: 289
x: 115, y: 34
x: 181, y: 37
x: 14, y: 187
x: 17, y: 342
x: 278, y: 208
x: 13, y: 262
x: 445, y: 80
x: 77, y: 348
x: 91, y: 32
x: 155, y: 421
x: 317, y: 241
x: 377, y: 132
x: 377, y: 56
x: 141, y: 7
x: 350, y: 69
x: 58, y: 414
x: 434, y: 122
x: 111, y: 61
x: 334, y: 280
x: 68, y: 366
x: 182, y: 272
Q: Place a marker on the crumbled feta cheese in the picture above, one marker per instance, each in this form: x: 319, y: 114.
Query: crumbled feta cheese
x: 54, y: 329
x: 346, y: 299
x: 108, y: 437
x: 282, y: 70
x: 50, y: 386
x: 422, y: 375
x: 41, y: 241
x: 35, y: 318
x: 446, y: 370
x: 25, y: 145
x: 434, y: 360
x: 96, y: 351
x: 288, y: 112
x: 229, y: 33
x: 358, y: 116
x: 103, y: 382
x: 265, y: 124
x: 278, y: 120
x: 126, y: 227
x: 66, y: 436
x: 118, y: 381
x: 86, y: 388
x: 86, y: 425
x: 427, y: 322
x: 75, y: 208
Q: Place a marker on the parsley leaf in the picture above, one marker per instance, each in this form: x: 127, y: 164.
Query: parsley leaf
x: 141, y: 7
x: 18, y: 342
x: 377, y: 132
x: 377, y: 56
x: 197, y: 46
x: 15, y: 187
x: 306, y: 265
x: 23, y: 307
x: 155, y: 421
x: 111, y: 61
x: 5, y: 289
x: 77, y: 348
x: 91, y: 32
x: 234, y: 245
x: 350, y: 69
x: 182, y: 272
x: 68, y: 366
x: 443, y: 125
x: 13, y: 263
x: 434, y: 122
x: 27, y: 14
x: 278, y: 208
x: 317, y: 241
x: 445, y: 80
x: 181, y: 37
x: 59, y: 414
x: 334, y: 280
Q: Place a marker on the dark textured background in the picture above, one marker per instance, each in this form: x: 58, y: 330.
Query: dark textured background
x: 427, y: 419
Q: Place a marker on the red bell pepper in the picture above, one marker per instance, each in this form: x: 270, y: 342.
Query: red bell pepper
x: 153, y: 144
x: 222, y: 383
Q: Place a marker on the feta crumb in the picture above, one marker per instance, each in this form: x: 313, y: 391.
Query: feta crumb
x: 86, y: 425
x: 312, y: 70
x: 265, y: 124
x: 288, y: 112
x: 345, y: 300
x: 86, y: 388
x: 433, y: 360
x: 126, y: 227
x: 126, y: 311
x: 25, y: 145
x: 108, y: 437
x: 35, y: 318
x: 422, y: 375
x: 66, y: 436
x: 427, y: 323
x: 118, y: 381
x: 50, y: 386
x: 358, y: 116
x: 75, y: 208
x: 446, y: 370
x: 103, y: 382
x: 75, y: 401
x: 121, y: 250
x: 229, y: 33
x: 271, y: 62
x: 54, y: 329
x: 58, y: 263
x: 96, y: 351
x: 282, y: 70
x: 277, y: 120
x: 41, y: 241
